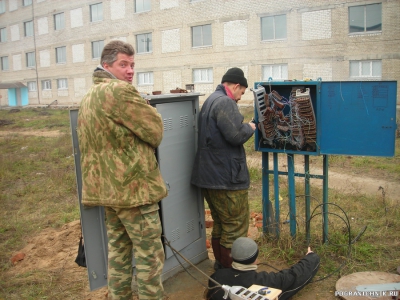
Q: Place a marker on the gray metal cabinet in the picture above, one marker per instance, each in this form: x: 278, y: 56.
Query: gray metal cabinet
x: 181, y: 212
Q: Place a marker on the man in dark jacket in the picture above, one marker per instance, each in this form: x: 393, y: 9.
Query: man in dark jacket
x: 220, y: 167
x: 243, y: 272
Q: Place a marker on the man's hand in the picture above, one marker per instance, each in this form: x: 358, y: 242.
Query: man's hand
x: 309, y: 251
x: 253, y: 125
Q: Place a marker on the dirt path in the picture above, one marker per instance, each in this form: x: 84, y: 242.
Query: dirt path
x: 344, y: 182
x: 44, y: 133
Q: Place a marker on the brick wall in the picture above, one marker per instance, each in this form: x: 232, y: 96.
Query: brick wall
x: 318, y: 43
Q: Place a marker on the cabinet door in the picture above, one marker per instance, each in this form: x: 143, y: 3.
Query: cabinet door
x: 92, y: 221
x: 358, y: 118
x: 180, y: 209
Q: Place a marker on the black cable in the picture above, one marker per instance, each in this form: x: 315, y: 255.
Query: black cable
x: 269, y: 266
x: 351, y: 242
x: 174, y: 252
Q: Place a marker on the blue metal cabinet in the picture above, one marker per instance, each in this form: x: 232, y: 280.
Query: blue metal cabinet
x: 352, y: 118
x: 319, y: 118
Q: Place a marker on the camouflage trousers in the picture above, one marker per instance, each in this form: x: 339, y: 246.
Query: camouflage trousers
x: 230, y: 212
x: 137, y: 231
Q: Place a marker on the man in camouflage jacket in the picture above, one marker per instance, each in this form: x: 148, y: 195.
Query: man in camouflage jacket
x: 118, y: 132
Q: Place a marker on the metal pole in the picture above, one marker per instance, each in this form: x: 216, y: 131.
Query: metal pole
x: 307, y: 194
x: 325, y: 199
x: 265, y: 192
x: 292, y: 194
x: 276, y: 192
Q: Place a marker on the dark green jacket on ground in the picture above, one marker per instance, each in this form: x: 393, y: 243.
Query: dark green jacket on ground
x: 118, y: 132
x: 290, y: 281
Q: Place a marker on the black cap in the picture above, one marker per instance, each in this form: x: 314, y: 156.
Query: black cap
x: 244, y: 250
x: 235, y: 75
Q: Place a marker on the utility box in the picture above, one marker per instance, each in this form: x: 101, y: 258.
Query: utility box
x: 315, y: 117
x: 181, y: 212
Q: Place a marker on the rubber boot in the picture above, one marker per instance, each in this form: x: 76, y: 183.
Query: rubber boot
x: 217, y: 253
x: 226, y: 259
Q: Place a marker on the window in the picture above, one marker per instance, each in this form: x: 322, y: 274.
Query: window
x: 96, y: 12
x: 273, y: 28
x: 201, y: 36
x: 366, y: 68
x: 365, y: 18
x: 203, y: 75
x: 46, y: 84
x: 276, y: 72
x: 26, y: 2
x: 145, y: 78
x: 61, y: 55
x: 4, y: 63
x: 59, y: 22
x: 32, y: 86
x: 28, y: 27
x: 97, y: 48
x: 2, y: 6
x: 144, y: 43
x: 3, y: 35
x: 30, y: 59
x: 142, y: 5
x: 62, y: 83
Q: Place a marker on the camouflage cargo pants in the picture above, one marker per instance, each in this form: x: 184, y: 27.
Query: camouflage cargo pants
x: 230, y: 212
x: 134, y: 230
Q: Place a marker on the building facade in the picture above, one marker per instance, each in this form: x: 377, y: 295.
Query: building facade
x: 49, y: 48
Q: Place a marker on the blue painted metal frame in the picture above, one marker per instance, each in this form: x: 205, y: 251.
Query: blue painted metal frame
x: 267, y: 220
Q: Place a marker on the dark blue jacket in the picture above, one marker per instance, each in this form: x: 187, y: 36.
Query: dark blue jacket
x: 220, y: 161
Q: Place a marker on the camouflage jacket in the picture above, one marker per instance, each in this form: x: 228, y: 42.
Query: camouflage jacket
x: 117, y: 132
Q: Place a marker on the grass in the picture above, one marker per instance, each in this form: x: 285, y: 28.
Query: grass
x: 37, y: 180
x: 38, y: 190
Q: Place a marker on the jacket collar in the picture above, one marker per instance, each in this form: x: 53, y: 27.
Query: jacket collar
x: 100, y: 72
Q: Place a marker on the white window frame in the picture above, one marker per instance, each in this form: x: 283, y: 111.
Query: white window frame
x: 140, y: 43
x: 30, y: 59
x: 46, y: 85
x: 96, y: 12
x: 142, y: 6
x: 203, y: 43
x: 59, y: 21
x: 4, y: 66
x: 366, y: 17
x: 28, y: 28
x: 145, y: 78
x: 203, y: 75
x: 62, y: 83
x: 26, y: 2
x: 2, y: 6
x: 97, y: 48
x: 32, y: 86
x: 274, y: 29
x: 365, y: 68
x: 61, y: 55
x: 268, y: 71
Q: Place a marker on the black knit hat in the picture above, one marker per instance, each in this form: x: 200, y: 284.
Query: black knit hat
x: 235, y: 75
x: 244, y: 250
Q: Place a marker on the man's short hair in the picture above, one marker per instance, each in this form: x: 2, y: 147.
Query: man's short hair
x: 111, y: 50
